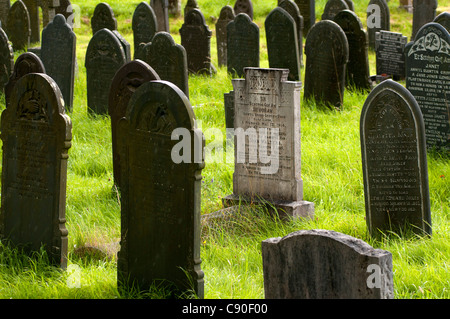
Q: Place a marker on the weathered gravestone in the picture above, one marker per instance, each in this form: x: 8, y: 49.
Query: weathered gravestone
x: 378, y: 18
x: 394, y: 162
x: 282, y: 42
x: 190, y: 5
x: 326, y: 50
x: 267, y: 168
x: 294, y: 12
x: 350, y: 5
x: 126, y: 81
x: 226, y: 16
x: 333, y: 7
x: 59, y: 56
x: 196, y: 40
x: 308, y: 12
x: 144, y: 25
x: 4, y: 9
x: 358, y: 60
x: 18, y: 26
x: 36, y: 135
x: 6, y: 60
x: 244, y: 6
x: 242, y: 45
x: 229, y: 109
x: 35, y: 26
x: 390, y: 54
x: 26, y: 63
x: 103, y: 18
x: 160, y: 7
x: 168, y: 59
x: 104, y: 56
x: 324, y: 264
x: 428, y: 79
x: 444, y: 20
x: 424, y: 11
x: 50, y: 8
x: 125, y: 45
x: 160, y: 191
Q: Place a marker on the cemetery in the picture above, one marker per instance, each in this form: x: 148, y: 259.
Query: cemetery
x: 225, y: 149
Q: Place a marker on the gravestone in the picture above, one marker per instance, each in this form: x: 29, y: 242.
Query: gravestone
x: 196, y: 40
x: 327, y: 53
x: 160, y: 193
x: 103, y: 18
x: 358, y: 73
x: 242, y: 45
x: 65, y: 8
x: 282, y: 42
x: 444, y: 20
x: 428, y: 80
x: 424, y: 11
x: 126, y: 81
x: 324, y: 264
x: 4, y: 9
x: 308, y: 12
x: 175, y: 7
x: 333, y: 7
x: 394, y: 162
x: 160, y: 7
x: 144, y: 25
x: 294, y: 11
x: 125, y: 45
x: 229, y: 109
x: 268, y: 167
x: 244, y: 6
x: 104, y: 56
x: 27, y: 62
x: 168, y: 59
x: 390, y: 54
x: 350, y: 5
x: 190, y: 5
x: 35, y: 25
x: 378, y: 18
x: 18, y: 26
x: 59, y: 55
x: 226, y: 15
x: 36, y: 135
x: 6, y: 60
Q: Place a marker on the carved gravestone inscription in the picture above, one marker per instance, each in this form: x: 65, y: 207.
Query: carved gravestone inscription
x: 36, y: 135
x: 6, y: 60
x: 244, y: 6
x: 378, y: 18
x: 226, y: 16
x: 18, y: 26
x: 294, y: 12
x: 333, y: 7
x: 144, y: 25
x: 161, y: 7
x: 424, y: 11
x: 390, y: 54
x: 394, y: 162
x: 103, y: 18
x: 160, y: 203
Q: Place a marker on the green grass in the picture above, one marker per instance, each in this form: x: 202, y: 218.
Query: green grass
x: 231, y: 251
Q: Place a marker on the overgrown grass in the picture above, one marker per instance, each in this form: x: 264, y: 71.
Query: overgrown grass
x: 230, y: 251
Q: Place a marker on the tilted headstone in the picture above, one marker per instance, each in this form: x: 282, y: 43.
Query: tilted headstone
x: 144, y: 25
x: 294, y: 11
x: 6, y: 60
x: 324, y: 264
x: 226, y: 16
x: 104, y: 56
x: 424, y: 11
x: 242, y: 45
x: 358, y: 60
x: 168, y: 59
x: 126, y: 81
x: 35, y: 25
x: 390, y: 54
x: 4, y: 9
x: 428, y: 80
x: 394, y: 162
x: 160, y: 7
x: 36, y: 135
x: 196, y: 39
x: 59, y: 56
x: 333, y: 7
x: 327, y: 53
x: 444, y: 20
x: 378, y: 18
x: 244, y: 6
x: 282, y: 42
x: 18, y: 26
x: 267, y: 168
x: 103, y: 18
x: 160, y: 192
x: 190, y: 5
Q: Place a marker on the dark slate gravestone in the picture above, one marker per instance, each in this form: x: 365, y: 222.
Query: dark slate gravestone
x: 244, y: 6
x: 196, y: 39
x: 103, y: 18
x: 358, y: 73
x: 168, y: 59
x: 27, y: 62
x: 444, y: 20
x: 144, y: 25
x: 428, y: 79
x: 282, y: 42
x: 104, y: 56
x: 58, y: 56
x: 160, y: 7
x: 226, y: 16
x: 390, y: 54
x: 350, y: 5
x: 242, y: 45
x: 378, y: 18
x: 190, y: 5
x: 36, y: 135
x: 35, y: 25
x: 6, y: 60
x: 308, y: 12
x: 333, y: 7
x: 324, y: 264
x: 18, y: 26
x: 126, y: 81
x: 229, y: 109
x: 160, y: 192
x: 4, y: 9
x: 125, y: 45
x: 65, y: 8
x: 294, y: 11
x: 394, y: 162
x: 326, y: 50
x: 424, y: 11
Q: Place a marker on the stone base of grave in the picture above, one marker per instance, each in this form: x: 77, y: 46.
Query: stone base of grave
x: 295, y: 209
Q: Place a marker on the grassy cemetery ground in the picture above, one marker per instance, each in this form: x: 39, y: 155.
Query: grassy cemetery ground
x: 231, y: 254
